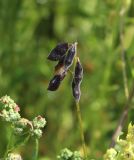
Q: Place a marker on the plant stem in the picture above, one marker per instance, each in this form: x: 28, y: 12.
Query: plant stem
x: 36, y: 148
x: 123, y: 118
x: 21, y: 143
x: 8, y: 145
x: 123, y: 53
x: 124, y: 115
x: 81, y: 129
x: 79, y: 114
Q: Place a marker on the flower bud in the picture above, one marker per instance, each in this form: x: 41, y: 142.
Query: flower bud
x: 58, y: 52
x: 65, y: 154
x: 39, y: 122
x: 37, y: 133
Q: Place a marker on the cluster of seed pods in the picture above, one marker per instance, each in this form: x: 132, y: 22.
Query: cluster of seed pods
x: 65, y: 53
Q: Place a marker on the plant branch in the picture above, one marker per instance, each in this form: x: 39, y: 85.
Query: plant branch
x: 79, y: 115
x: 81, y: 129
x: 8, y: 145
x: 124, y: 115
x: 36, y: 149
x: 123, y: 52
x: 123, y: 118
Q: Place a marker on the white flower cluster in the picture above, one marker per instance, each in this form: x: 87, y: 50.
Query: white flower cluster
x: 9, y: 111
x: 13, y: 156
x: 67, y: 154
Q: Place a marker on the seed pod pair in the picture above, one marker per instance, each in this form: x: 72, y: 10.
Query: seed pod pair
x: 64, y: 53
x: 67, y: 60
x: 78, y: 75
x: 59, y: 53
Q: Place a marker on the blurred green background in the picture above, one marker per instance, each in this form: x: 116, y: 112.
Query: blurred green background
x: 29, y: 29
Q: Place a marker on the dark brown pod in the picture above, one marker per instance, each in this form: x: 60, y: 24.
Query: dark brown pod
x: 76, y: 90
x: 56, y: 80
x: 78, y: 75
x: 70, y: 56
x: 54, y: 83
x: 58, y: 52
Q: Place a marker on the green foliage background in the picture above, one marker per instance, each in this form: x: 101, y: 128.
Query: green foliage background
x: 29, y: 29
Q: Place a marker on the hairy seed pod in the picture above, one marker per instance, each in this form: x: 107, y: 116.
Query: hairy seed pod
x: 70, y: 56
x: 78, y: 75
x: 58, y: 52
x: 56, y: 80
x: 54, y: 83
x: 76, y: 90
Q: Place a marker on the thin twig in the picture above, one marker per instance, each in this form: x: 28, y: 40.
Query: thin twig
x: 79, y: 115
x: 123, y: 117
x: 8, y: 145
x: 126, y: 90
x: 123, y: 53
x: 36, y: 149
x: 81, y: 129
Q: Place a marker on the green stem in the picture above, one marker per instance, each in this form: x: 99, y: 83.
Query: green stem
x: 81, y: 129
x: 124, y: 115
x: 79, y: 114
x: 21, y: 143
x: 10, y: 149
x: 123, y: 52
x: 36, y: 148
x: 8, y: 145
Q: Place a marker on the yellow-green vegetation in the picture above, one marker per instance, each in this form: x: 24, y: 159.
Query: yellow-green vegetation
x: 21, y: 128
x: 124, y: 149
x: 29, y: 30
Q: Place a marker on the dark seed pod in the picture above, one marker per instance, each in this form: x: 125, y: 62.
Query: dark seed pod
x: 58, y: 52
x: 78, y: 75
x: 56, y: 80
x: 70, y: 56
x: 54, y: 83
x: 76, y: 90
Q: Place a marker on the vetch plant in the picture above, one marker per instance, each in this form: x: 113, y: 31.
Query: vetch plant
x: 66, y: 55
x: 59, y: 53
x: 22, y: 128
